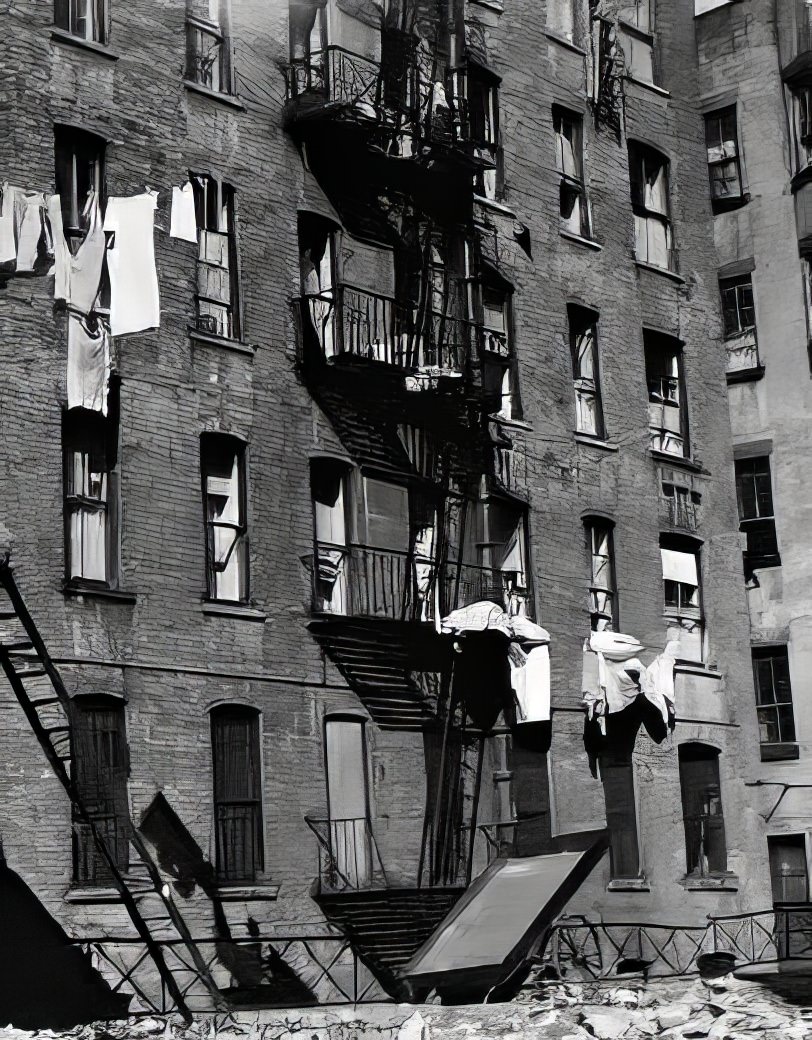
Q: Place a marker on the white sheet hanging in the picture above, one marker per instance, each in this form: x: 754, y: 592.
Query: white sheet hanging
x: 8, y: 241
x: 134, y: 298
x: 62, y: 256
x: 530, y: 679
x: 679, y: 566
x: 88, y: 365
x: 86, y: 264
x: 183, y: 222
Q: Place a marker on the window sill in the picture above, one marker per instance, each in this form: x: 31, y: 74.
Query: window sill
x: 239, y: 346
x: 590, y: 243
x: 632, y: 884
x: 596, y: 442
x: 230, y: 100
x: 664, y: 271
x: 780, y: 752
x: 75, y: 588
x: 516, y: 424
x: 562, y: 41
x: 727, y: 205
x: 500, y: 207
x: 711, y: 882
x: 101, y: 49
x: 680, y: 461
x: 232, y: 610
x: 694, y: 667
x: 492, y: 5
x: 659, y: 91
x: 247, y: 893
x: 89, y: 894
x: 745, y: 375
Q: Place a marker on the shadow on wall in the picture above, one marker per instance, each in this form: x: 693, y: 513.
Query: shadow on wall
x: 47, y: 983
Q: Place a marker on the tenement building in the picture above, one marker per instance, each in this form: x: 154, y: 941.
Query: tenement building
x: 755, y: 83
x: 374, y: 587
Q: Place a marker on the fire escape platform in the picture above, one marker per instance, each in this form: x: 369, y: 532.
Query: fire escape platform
x: 493, y: 928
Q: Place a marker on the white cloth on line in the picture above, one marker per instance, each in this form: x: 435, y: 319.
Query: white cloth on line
x: 607, y: 684
x: 134, y: 298
x: 62, y: 256
x: 657, y: 681
x: 530, y: 679
x: 679, y: 566
x: 183, y: 222
x: 86, y: 265
x: 8, y: 240
x: 88, y: 365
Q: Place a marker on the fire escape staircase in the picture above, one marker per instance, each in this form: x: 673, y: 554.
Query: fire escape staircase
x: 144, y: 894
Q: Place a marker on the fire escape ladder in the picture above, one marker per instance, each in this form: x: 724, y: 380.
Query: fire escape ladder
x: 24, y: 658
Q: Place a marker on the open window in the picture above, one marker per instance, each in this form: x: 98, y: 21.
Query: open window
x: 499, y: 376
x: 90, y: 450
x: 86, y: 19
x: 483, y: 129
x: 237, y: 769
x: 724, y: 159
x: 79, y: 171
x: 653, y: 237
x: 218, y: 296
x: 329, y: 488
x: 208, y: 48
x: 100, y: 770
x: 583, y: 329
x: 739, y: 318
x: 682, y: 593
x: 636, y: 32
x: 318, y: 242
x: 569, y: 154
x: 602, y: 583
x: 307, y: 38
x: 705, y: 847
x: 500, y: 530
x: 756, y: 513
x: 222, y: 465
x: 667, y: 403
x: 776, y: 714
x: 617, y: 777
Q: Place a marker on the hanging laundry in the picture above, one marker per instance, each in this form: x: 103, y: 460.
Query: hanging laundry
x: 62, y: 256
x: 477, y: 617
x: 481, y: 676
x: 657, y: 682
x: 530, y: 678
x: 86, y: 265
x: 88, y: 365
x: 31, y: 230
x: 8, y: 240
x: 183, y: 222
x: 134, y: 299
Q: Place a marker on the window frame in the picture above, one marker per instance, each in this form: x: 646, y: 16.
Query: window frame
x: 656, y: 348
x: 799, y: 841
x: 683, y: 613
x: 697, y: 845
x: 197, y: 29
x: 572, y: 7
x: 224, y: 205
x: 73, y: 149
x: 631, y: 29
x: 772, y: 654
x: 488, y: 178
x: 802, y: 142
x: 720, y: 203
x: 640, y: 156
x: 66, y: 17
x: 617, y: 763
x: 596, y: 528
x: 574, y: 186
x: 762, y: 524
x: 227, y: 443
x: 581, y: 321
x: 252, y: 717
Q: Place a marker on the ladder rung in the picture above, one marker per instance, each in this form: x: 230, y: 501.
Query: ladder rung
x: 13, y: 648
x: 8, y: 615
x: 43, y: 701
x: 30, y: 673
x: 58, y: 729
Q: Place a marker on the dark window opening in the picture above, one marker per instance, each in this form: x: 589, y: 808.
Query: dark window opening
x: 100, y: 771
x: 79, y: 171
x: 802, y: 118
x: 617, y: 776
x: 483, y: 128
x: 788, y: 868
x: 86, y: 19
x: 776, y: 715
x: 602, y: 582
x: 218, y: 297
x: 653, y: 237
x: 237, y: 793
x: 208, y: 51
x: 705, y: 847
x: 756, y: 513
x: 668, y: 414
x: 573, y: 203
x: 330, y: 493
x: 583, y: 328
x: 222, y: 465
x: 724, y: 162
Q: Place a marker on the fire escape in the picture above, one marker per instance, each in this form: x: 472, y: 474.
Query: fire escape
x: 404, y: 341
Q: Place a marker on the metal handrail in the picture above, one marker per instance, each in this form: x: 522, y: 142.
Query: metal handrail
x: 330, y: 870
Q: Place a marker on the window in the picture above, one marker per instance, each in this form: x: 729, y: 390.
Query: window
x: 100, y: 771
x: 208, y: 53
x: 499, y: 379
x: 328, y: 487
x: 218, y: 311
x: 682, y: 504
x: 585, y: 371
x: 739, y: 318
x: 89, y: 447
x: 562, y: 18
x: 724, y: 161
x: 776, y: 717
x: 86, y: 19
x: 636, y: 29
x: 504, y: 552
x: 648, y: 174
x: 788, y: 868
x: 602, y: 588
x: 348, y: 800
x: 667, y: 411
x: 573, y: 205
x: 617, y: 776
x: 705, y: 848
x: 756, y: 514
x: 802, y: 125
x: 307, y: 36
x: 483, y: 127
x: 682, y: 593
x: 237, y: 793
x: 222, y: 464
x: 79, y: 169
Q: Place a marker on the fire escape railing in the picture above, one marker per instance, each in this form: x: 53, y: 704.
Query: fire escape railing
x: 348, y: 855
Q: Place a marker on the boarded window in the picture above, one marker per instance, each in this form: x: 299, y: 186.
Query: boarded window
x: 776, y: 716
x: 222, y: 465
x: 237, y: 793
x: 705, y: 848
x: 756, y: 512
x: 617, y: 776
x: 218, y: 311
x: 583, y: 328
x: 724, y: 166
x: 101, y: 768
x: 86, y: 19
x: 602, y: 590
